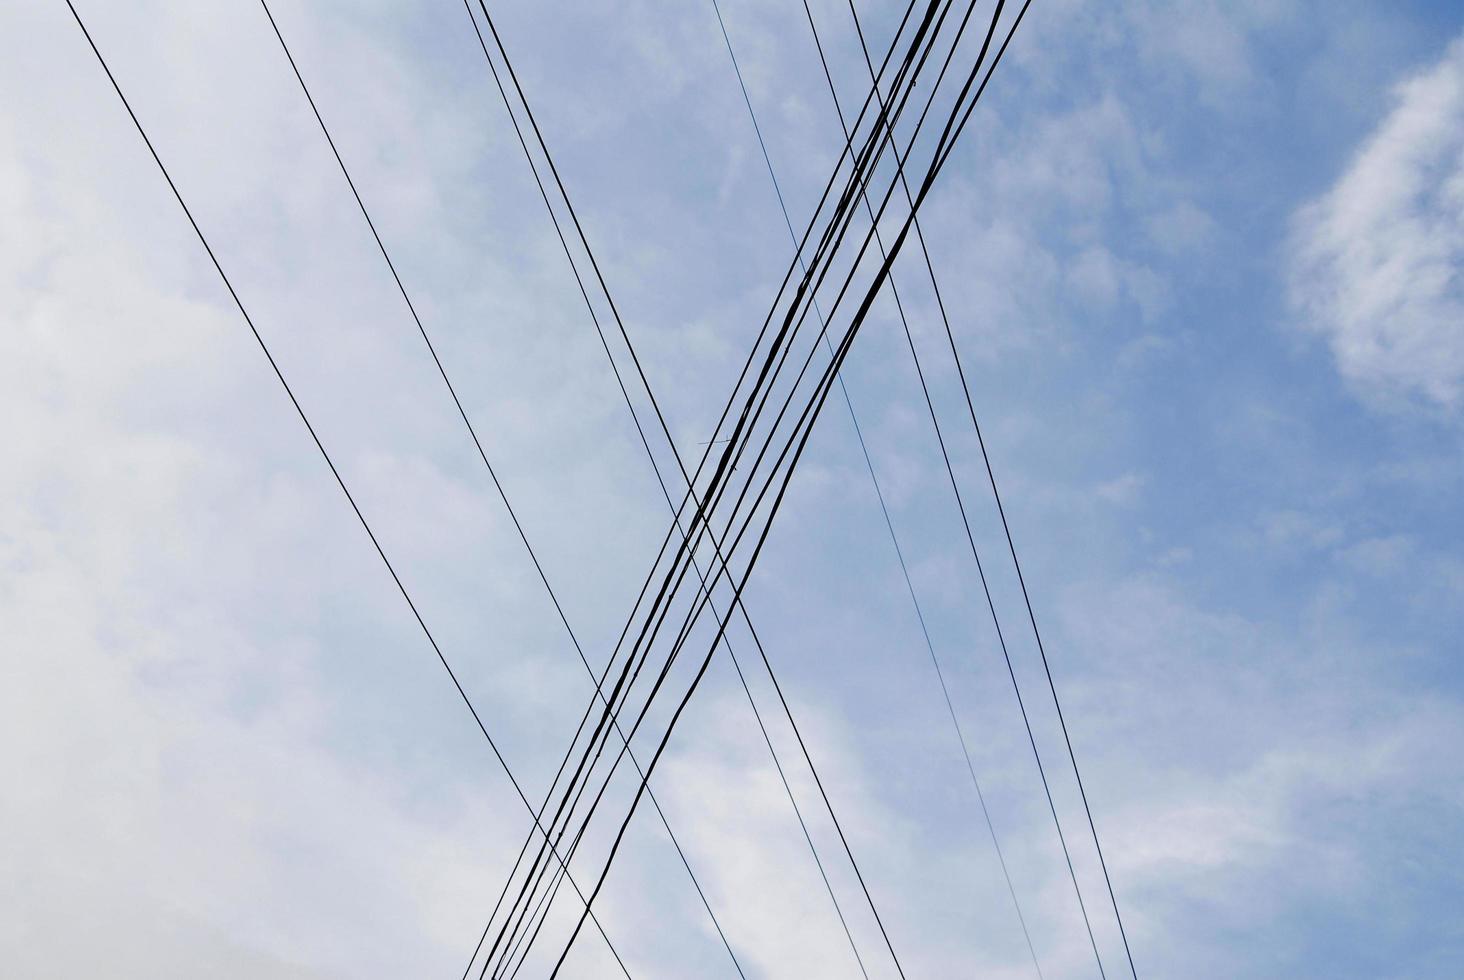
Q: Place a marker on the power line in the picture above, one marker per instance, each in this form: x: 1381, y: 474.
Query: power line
x: 1072, y: 874
x: 1006, y: 528
x: 951, y: 131
x: 763, y: 374
x: 869, y: 466
x: 477, y: 443
x: 862, y: 311
x: 498, y: 41
x: 320, y: 446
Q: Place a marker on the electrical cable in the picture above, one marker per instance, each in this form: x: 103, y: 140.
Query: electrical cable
x: 951, y: 132
x: 478, y: 445
x: 869, y: 464
x: 950, y: 336
x: 340, y: 481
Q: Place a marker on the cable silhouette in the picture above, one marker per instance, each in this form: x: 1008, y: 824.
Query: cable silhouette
x: 721, y: 481
x: 551, y: 212
x: 320, y: 446
x: 477, y: 443
x: 951, y: 131
x: 946, y: 132
x: 1006, y: 528
x: 869, y: 464
x: 658, y: 681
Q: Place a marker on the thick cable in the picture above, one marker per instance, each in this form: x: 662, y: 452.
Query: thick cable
x: 816, y: 406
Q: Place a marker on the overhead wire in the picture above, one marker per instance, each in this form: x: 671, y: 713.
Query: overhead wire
x: 952, y: 129
x: 1011, y: 546
x: 942, y: 152
x: 490, y: 62
x: 319, y: 445
x: 952, y: 124
x: 637, y: 425
x: 477, y: 443
x: 868, y: 462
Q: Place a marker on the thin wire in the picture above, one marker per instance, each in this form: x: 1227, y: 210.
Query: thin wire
x: 950, y: 126
x: 340, y: 481
x: 951, y: 132
x: 858, y: 318
x: 1006, y: 528
x: 874, y: 479
x: 862, y: 311
x: 899, y: 305
x: 569, y: 205
x: 477, y: 443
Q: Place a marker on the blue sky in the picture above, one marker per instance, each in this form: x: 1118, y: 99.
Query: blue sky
x: 1205, y: 264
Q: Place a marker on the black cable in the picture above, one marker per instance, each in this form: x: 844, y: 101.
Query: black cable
x: 980, y: 569
x: 624, y: 392
x: 869, y: 465
x: 1001, y: 859
x: 775, y: 680
x: 1032, y: 618
x: 947, y: 131
x: 228, y: 284
x: 658, y: 682
x: 477, y: 443
x: 952, y: 130
x: 950, y: 335
x: 590, y: 305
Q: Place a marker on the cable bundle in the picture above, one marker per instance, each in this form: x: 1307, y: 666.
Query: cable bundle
x: 723, y: 509
x: 732, y: 501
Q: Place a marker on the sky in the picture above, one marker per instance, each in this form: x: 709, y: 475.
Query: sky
x: 1205, y: 262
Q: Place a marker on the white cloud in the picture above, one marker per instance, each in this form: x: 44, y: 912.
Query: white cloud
x: 226, y: 752
x: 1378, y: 263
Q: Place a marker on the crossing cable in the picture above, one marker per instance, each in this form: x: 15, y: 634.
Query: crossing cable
x: 1006, y: 528
x: 775, y: 677
x: 793, y: 235
x: 949, y: 125
x: 970, y: 538
x: 320, y: 446
x: 951, y: 131
x: 927, y: 391
x: 673, y: 654
x: 648, y: 451
x: 736, y: 663
x: 954, y: 126
x: 868, y: 462
x: 718, y: 485
x: 478, y: 445
x: 584, y: 294
x: 775, y: 680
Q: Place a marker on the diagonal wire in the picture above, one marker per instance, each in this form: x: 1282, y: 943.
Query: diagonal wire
x: 773, y: 677
x: 478, y: 445
x: 1011, y: 547
x: 874, y: 481
x: 952, y: 129
x: 319, y: 445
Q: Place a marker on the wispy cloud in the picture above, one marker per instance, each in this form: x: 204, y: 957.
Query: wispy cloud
x: 1379, y: 259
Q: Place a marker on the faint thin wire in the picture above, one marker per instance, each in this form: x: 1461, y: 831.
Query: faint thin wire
x: 663, y: 425
x: 482, y: 454
x: 228, y: 284
x: 1011, y: 546
x: 874, y: 479
x: 952, y: 130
